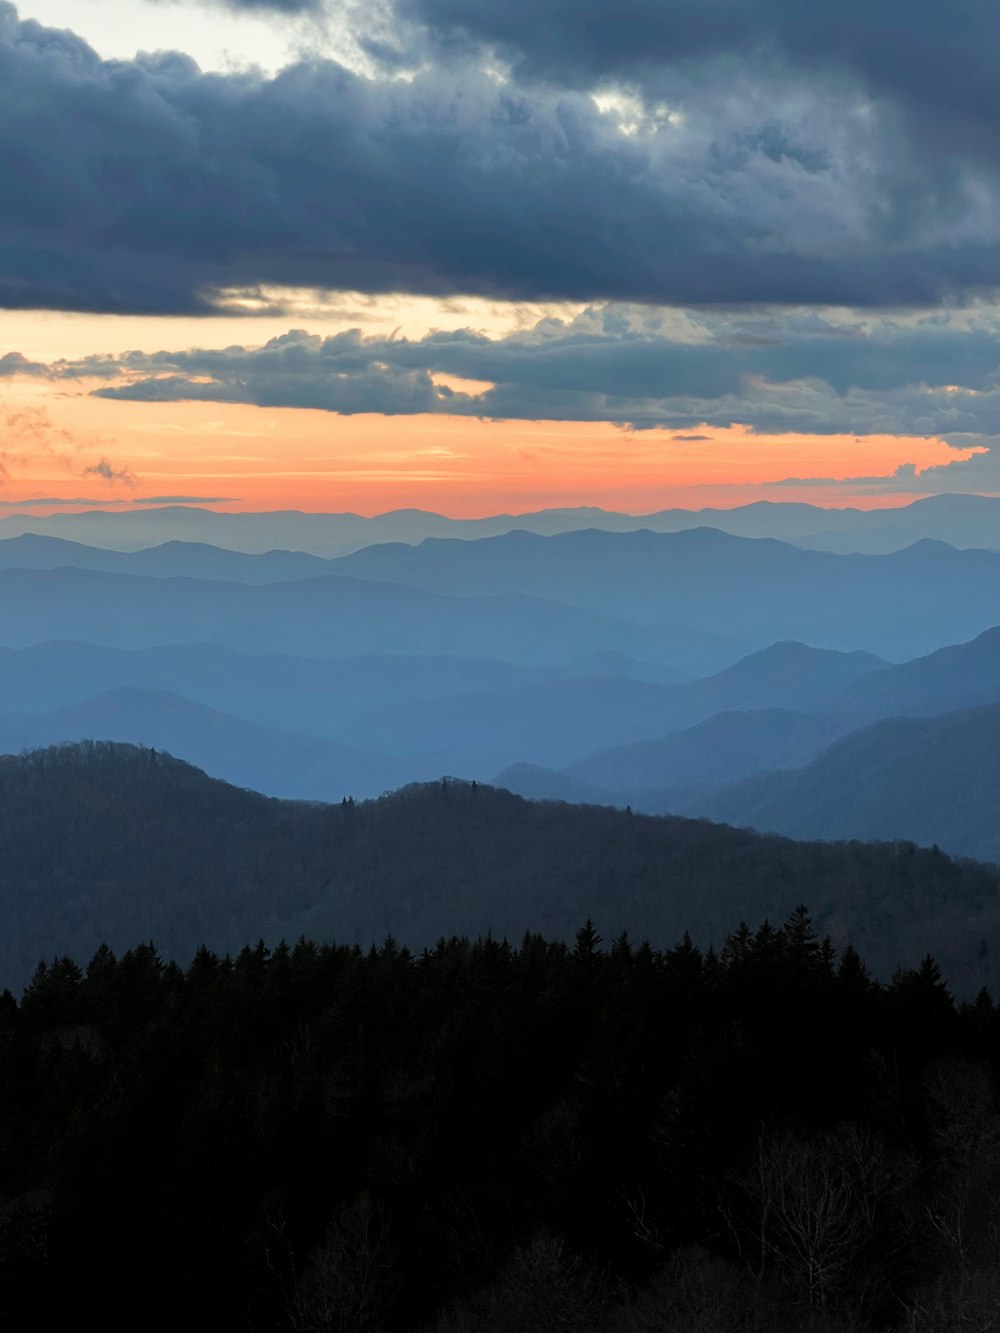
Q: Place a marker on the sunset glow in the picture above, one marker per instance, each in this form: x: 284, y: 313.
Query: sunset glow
x: 303, y: 459
x: 491, y: 340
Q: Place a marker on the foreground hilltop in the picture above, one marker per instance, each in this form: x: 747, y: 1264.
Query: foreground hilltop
x: 113, y: 843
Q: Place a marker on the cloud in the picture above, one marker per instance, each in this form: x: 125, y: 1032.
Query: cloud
x: 55, y: 502
x: 906, y: 475
x: 936, y: 65
x: 265, y: 6
x: 110, y: 472
x: 13, y: 363
x: 185, y: 499
x: 979, y: 474
x: 29, y: 432
x: 782, y: 181
x: 798, y: 371
x: 976, y: 475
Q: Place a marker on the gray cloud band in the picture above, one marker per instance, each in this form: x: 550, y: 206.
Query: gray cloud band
x: 147, y: 186
x: 920, y: 51
x: 794, y: 373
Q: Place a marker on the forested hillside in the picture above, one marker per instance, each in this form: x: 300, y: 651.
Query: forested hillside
x: 113, y: 844
x: 933, y: 779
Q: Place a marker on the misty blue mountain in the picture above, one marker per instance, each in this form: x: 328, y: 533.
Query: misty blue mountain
x: 696, y: 672
x: 959, y: 520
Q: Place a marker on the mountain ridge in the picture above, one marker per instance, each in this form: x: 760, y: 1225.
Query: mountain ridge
x: 207, y: 863
x: 929, y: 780
x: 959, y: 518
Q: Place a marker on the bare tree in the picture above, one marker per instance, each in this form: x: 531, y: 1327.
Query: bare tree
x: 349, y: 1281
x: 815, y: 1208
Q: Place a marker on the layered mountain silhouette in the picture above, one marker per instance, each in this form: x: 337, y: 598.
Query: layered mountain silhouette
x: 788, y: 675
x: 175, y: 559
x: 475, y: 734
x: 828, y: 773
x: 312, y: 694
x: 896, y: 605
x: 281, y: 763
x: 932, y: 780
x: 697, y: 600
x: 721, y: 750
x: 557, y: 662
x: 328, y: 616
x: 108, y: 843
x: 557, y: 722
x: 959, y: 676
x: 960, y: 520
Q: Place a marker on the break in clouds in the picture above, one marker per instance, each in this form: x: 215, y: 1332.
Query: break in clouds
x: 804, y: 372
x: 789, y: 168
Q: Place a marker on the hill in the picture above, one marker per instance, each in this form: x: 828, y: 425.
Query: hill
x: 959, y: 520
x: 311, y: 694
x: 556, y: 723
x: 550, y: 723
x: 785, y: 675
x: 330, y: 616
x: 723, y: 749
x: 280, y: 763
x: 958, y: 676
x: 759, y: 590
x: 174, y: 559
x: 537, y: 783
x: 118, y: 844
x: 932, y: 780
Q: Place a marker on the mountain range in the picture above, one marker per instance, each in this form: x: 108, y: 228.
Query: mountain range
x: 760, y: 590
x: 960, y: 520
x: 245, y: 753
x: 930, y: 780
x: 558, y: 721
x: 696, y: 600
x: 328, y: 616
x: 831, y: 772
x: 313, y: 694
x: 592, y: 666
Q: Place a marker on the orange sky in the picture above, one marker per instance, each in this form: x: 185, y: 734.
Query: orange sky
x: 311, y: 460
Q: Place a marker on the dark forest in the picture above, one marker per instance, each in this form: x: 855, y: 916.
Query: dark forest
x: 597, y: 1135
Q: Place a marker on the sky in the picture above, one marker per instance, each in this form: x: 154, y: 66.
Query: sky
x: 493, y: 255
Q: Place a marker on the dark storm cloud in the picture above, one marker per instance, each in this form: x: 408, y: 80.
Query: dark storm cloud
x: 147, y: 185
x: 937, y: 59
x: 266, y: 6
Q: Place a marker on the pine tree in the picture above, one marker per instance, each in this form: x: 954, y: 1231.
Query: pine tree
x: 588, y: 941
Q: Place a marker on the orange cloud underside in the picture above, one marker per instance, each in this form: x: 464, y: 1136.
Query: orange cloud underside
x: 317, y: 461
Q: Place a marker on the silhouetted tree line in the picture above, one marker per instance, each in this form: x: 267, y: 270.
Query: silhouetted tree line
x: 488, y: 1137
x: 114, y: 843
